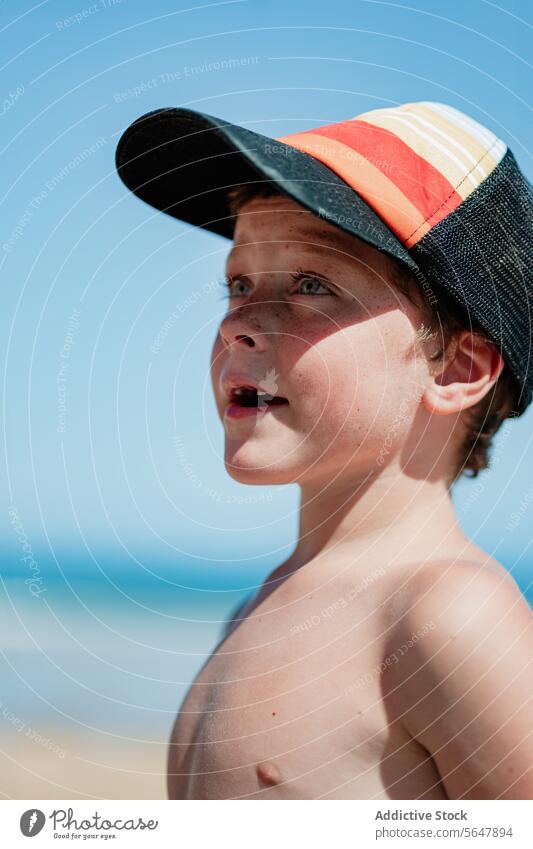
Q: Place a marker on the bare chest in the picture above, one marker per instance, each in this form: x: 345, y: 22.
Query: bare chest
x: 290, y: 706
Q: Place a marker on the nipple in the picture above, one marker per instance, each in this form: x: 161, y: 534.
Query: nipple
x: 269, y: 773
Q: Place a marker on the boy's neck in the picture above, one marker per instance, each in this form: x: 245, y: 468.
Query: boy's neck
x: 392, y: 515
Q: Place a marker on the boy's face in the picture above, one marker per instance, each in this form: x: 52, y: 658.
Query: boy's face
x: 315, y: 317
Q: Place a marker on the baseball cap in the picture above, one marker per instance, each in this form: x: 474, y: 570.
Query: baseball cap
x: 422, y: 182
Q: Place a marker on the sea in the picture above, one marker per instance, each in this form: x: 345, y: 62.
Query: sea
x: 114, y: 645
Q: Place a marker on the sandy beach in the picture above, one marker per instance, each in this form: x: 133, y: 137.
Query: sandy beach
x: 89, y: 692
x: 80, y: 766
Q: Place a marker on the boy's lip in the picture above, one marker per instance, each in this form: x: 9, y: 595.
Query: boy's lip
x: 236, y: 380
x: 237, y: 411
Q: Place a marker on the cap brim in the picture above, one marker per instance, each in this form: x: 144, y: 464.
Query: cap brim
x: 183, y: 163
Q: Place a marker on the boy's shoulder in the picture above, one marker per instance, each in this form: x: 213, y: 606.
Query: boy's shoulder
x: 459, y: 588
x: 461, y: 683
x: 462, y: 596
x: 460, y: 606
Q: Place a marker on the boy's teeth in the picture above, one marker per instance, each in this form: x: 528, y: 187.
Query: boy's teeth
x: 250, y: 396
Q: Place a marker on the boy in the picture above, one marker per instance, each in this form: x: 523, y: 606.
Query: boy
x: 377, y: 335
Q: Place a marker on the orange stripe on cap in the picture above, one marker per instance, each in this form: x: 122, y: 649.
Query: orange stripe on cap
x: 369, y: 182
x: 412, y: 192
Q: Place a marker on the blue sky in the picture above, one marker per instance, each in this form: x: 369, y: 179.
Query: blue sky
x: 131, y: 472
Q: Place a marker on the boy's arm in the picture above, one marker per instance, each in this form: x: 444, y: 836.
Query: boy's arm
x: 463, y: 682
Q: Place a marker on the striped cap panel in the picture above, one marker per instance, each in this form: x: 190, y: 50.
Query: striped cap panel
x: 413, y: 164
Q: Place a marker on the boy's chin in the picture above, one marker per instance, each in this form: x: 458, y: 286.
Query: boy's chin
x: 258, y: 473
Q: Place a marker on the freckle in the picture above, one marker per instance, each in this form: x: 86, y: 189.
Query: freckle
x: 269, y: 773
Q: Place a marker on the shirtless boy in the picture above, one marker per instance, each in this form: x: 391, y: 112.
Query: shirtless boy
x: 376, y: 336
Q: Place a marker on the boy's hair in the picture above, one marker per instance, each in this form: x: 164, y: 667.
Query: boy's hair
x: 442, y: 318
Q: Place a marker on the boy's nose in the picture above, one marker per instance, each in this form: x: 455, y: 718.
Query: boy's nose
x: 244, y: 326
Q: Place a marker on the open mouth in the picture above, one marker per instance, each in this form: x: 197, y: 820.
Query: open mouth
x: 248, y: 396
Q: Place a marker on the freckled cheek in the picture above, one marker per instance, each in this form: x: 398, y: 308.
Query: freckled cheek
x: 349, y: 377
x: 337, y: 369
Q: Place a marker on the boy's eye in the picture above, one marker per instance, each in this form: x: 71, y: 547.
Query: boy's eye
x: 306, y: 279
x: 231, y: 283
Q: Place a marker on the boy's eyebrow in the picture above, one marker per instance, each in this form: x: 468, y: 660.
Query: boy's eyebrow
x: 312, y: 230
x: 333, y: 240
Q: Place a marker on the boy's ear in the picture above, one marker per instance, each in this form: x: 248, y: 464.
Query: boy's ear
x: 465, y: 377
